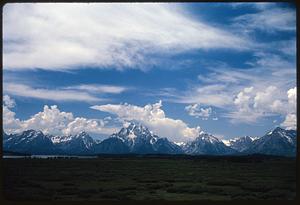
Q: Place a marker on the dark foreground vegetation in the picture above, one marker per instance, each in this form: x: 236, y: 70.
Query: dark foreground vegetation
x: 150, y: 178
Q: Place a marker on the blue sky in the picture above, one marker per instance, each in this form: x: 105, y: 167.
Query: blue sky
x: 224, y: 68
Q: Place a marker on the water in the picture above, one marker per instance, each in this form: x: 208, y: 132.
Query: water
x: 48, y: 156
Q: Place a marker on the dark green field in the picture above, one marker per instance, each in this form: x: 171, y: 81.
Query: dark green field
x: 150, y: 178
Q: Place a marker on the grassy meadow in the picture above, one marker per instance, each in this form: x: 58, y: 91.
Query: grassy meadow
x: 172, y: 178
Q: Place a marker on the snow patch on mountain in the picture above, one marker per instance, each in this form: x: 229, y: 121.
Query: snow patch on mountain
x: 180, y: 143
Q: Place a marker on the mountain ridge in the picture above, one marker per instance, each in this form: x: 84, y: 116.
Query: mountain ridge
x: 138, y: 139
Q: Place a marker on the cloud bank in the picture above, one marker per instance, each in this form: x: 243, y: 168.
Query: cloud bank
x: 55, y: 122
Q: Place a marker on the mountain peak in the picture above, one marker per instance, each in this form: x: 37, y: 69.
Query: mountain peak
x: 240, y: 143
x: 130, y: 126
x: 208, y: 137
x: 32, y: 133
x: 279, y: 129
x: 207, y: 144
x: 82, y: 134
x: 276, y: 142
x: 139, y: 139
x: 134, y: 126
x: 133, y: 130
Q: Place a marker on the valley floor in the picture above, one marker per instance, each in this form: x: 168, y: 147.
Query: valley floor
x: 150, y: 178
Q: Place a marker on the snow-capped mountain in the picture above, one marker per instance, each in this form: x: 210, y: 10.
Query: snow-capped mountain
x: 206, y: 144
x: 35, y: 142
x: 276, y: 142
x: 30, y: 141
x: 137, y: 139
x: 81, y: 143
x: 241, y: 143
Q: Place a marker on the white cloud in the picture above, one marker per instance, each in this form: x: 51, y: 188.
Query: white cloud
x: 197, y: 111
x: 244, y: 105
x: 242, y: 117
x: 244, y: 111
x: 271, y: 61
x: 94, y: 88
x: 287, y: 47
x: 265, y: 69
x: 290, y: 122
x: 48, y: 94
x: 242, y: 100
x: 253, y: 104
x: 267, y: 100
x: 214, y: 95
x: 8, y: 102
x: 224, y: 75
x: 269, y: 20
x: 53, y: 121
x: 243, y: 95
x: 154, y: 118
x: 63, y: 36
x: 292, y: 95
x: 50, y: 120
x: 89, y: 125
x: 10, y: 123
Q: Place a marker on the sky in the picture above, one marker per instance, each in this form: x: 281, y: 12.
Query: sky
x: 228, y: 69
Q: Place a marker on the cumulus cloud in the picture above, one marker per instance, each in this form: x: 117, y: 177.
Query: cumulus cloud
x: 197, y: 111
x: 154, y: 117
x: 55, y: 122
x: 253, y: 104
x: 290, y: 122
x: 10, y: 123
x: 89, y: 125
x: 292, y: 95
x: 63, y: 36
x: 269, y: 99
x: 8, y: 102
x: 243, y: 110
x: 50, y: 120
x: 242, y: 100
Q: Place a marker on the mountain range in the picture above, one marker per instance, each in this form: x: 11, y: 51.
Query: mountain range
x: 138, y: 139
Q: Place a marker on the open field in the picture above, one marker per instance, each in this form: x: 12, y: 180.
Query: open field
x: 150, y: 178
